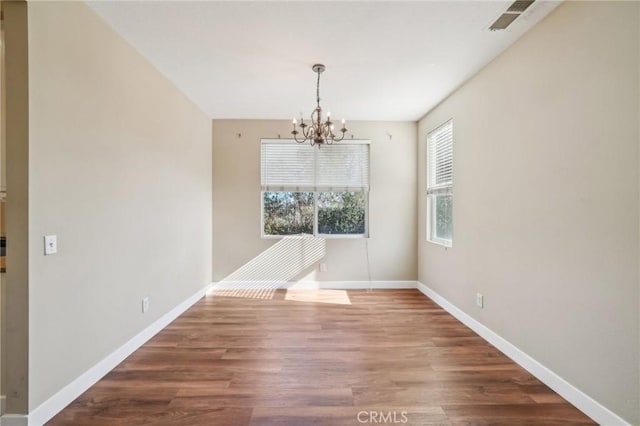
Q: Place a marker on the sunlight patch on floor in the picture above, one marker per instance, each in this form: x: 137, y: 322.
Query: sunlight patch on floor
x: 249, y: 293
x: 337, y: 297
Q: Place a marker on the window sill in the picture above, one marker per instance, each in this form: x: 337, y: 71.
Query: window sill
x: 342, y: 236
x: 323, y: 236
x: 443, y: 243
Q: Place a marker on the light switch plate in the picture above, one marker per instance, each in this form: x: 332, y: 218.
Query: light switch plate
x: 50, y: 244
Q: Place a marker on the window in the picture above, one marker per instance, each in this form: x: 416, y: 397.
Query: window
x: 288, y: 212
x: 320, y: 191
x: 440, y: 185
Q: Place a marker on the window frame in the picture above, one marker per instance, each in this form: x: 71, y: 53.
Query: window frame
x: 316, y: 234
x: 270, y: 236
x: 435, y: 190
x: 431, y: 206
x: 315, y: 192
x: 333, y: 236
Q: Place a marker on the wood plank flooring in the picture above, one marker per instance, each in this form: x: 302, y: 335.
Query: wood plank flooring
x: 318, y: 358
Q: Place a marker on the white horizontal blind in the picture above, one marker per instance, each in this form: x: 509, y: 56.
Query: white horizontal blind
x: 440, y: 146
x: 289, y: 166
x: 342, y: 167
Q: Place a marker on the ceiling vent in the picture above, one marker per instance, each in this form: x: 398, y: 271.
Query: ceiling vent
x: 516, y: 8
x: 520, y: 6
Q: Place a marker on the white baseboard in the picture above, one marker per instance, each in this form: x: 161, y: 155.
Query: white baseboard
x: 66, y: 395
x: 13, y: 420
x: 311, y: 285
x: 575, y: 396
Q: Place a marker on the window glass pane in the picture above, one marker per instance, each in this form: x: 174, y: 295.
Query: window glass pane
x: 442, y: 225
x: 341, y: 212
x: 288, y: 213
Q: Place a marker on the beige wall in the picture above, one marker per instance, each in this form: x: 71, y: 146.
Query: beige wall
x: 120, y: 171
x: 392, y: 211
x: 546, y: 199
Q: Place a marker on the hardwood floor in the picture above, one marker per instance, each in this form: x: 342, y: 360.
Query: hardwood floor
x: 318, y: 358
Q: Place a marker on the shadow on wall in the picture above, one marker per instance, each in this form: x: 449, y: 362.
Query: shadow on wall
x: 276, y: 267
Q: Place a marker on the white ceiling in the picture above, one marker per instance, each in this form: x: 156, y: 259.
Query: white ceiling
x: 385, y: 60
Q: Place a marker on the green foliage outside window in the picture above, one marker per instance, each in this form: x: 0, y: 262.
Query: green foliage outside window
x: 292, y: 213
x: 444, y: 217
x: 288, y: 213
x: 341, y: 213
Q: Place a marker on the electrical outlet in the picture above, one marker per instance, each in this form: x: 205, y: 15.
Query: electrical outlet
x: 479, y: 300
x: 145, y: 305
x: 50, y: 244
x: 323, y: 267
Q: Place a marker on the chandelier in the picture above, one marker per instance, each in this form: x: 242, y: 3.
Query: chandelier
x: 318, y: 132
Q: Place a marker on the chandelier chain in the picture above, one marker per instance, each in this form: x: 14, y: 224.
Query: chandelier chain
x: 318, y: 89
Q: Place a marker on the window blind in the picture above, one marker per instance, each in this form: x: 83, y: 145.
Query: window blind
x: 440, y: 146
x: 289, y: 166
